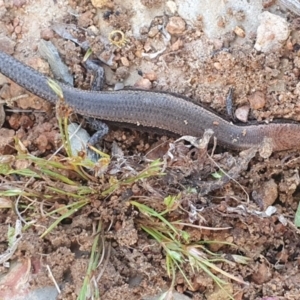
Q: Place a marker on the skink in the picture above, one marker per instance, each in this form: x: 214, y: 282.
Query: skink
x: 155, y: 110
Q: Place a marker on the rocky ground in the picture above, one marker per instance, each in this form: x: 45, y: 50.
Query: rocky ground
x: 200, y: 49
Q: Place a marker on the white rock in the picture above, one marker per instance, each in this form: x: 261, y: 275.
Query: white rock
x: 78, y: 138
x: 171, y: 8
x: 242, y: 113
x: 272, y: 32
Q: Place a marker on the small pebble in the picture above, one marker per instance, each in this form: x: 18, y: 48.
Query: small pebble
x: 176, y: 26
x: 239, y: 32
x: 289, y: 45
x: 122, y: 72
x: 16, y: 22
x: 18, y: 29
x: 257, y: 100
x: 177, y: 45
x: 262, y: 273
x: 14, y: 121
x: 221, y: 22
x: 151, y: 76
x: 242, y: 113
x: 143, y: 83
x: 39, y: 64
x: 7, y: 45
x: 144, y: 30
x: 85, y: 19
x: 270, y: 193
x: 6, y: 140
x: 47, y: 34
x: 103, y: 3
x: 130, y: 56
x: 26, y: 122
x: 153, y: 32
x: 94, y: 30
x: 125, y: 61
x: 218, y: 66
x: 266, y: 148
x: 42, y: 143
x: 119, y: 86
x: 147, y: 46
x: 135, y: 189
x: 138, y: 53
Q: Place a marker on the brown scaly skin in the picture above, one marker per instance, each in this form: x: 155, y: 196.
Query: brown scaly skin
x: 154, y: 110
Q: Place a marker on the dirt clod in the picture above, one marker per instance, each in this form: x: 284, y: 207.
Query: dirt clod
x: 143, y: 83
x: 257, y: 100
x: 262, y: 274
x: 176, y: 26
x: 6, y: 140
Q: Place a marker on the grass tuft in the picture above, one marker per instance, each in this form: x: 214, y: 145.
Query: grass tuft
x: 178, y: 250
